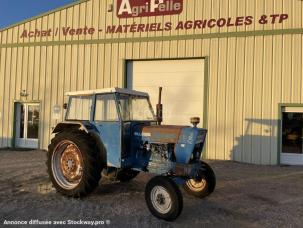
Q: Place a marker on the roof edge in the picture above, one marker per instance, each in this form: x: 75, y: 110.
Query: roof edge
x: 107, y: 90
x: 43, y: 14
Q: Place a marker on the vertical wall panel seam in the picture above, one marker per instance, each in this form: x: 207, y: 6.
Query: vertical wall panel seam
x: 8, y: 89
x: 210, y: 76
x: 34, y: 61
x: 8, y: 77
x: 51, y: 84
x: 45, y: 127
x: 91, y: 52
x: 61, y: 90
x: 33, y: 72
x: 97, y: 47
x: 71, y: 51
x: 111, y: 56
x: 291, y: 69
x: 91, y: 11
x: 235, y: 86
x: 63, y: 80
x: 64, y: 77
x: 225, y: 98
x: 271, y: 100
x: 84, y: 49
x: 243, y: 100
x: 39, y: 78
x: 21, y: 70
x: 14, y: 95
x: 234, y: 100
x: 272, y: 94
x: 217, y: 86
x: 262, y: 108
x: 64, y: 66
x: 186, y: 31
x: 3, y: 113
x: 97, y: 61
x: 104, y: 49
x: 77, y: 57
x: 282, y: 65
x: 39, y: 98
x: 226, y: 82
x: 262, y: 93
x: 193, y: 46
x: 27, y: 72
x: 58, y: 66
x: 218, y: 103
x: 255, y: 106
x: 117, y: 52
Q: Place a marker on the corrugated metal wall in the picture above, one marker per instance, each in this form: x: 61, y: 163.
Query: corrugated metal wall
x: 248, y: 76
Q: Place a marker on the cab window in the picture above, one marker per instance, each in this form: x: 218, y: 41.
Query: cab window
x: 106, y: 109
x: 80, y: 108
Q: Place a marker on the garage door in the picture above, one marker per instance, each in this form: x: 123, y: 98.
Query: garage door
x: 182, y: 82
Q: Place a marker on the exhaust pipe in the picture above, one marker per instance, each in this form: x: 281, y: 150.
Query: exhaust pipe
x: 160, y: 108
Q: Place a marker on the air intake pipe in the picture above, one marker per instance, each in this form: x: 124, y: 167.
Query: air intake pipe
x: 160, y: 108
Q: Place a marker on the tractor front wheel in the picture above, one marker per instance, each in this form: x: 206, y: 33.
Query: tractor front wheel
x: 163, y: 198
x: 205, y: 185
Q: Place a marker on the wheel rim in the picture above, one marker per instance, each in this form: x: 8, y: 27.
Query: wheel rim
x: 67, y: 164
x: 196, y: 186
x: 161, y: 199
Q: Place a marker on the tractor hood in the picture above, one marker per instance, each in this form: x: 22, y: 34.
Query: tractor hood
x: 160, y: 133
x: 169, y: 134
x: 187, y: 140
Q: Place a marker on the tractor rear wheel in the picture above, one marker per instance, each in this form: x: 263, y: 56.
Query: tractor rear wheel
x: 74, y: 163
x: 163, y: 198
x: 205, y: 186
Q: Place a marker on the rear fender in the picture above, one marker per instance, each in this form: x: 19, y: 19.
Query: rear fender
x: 88, y: 129
x: 69, y: 126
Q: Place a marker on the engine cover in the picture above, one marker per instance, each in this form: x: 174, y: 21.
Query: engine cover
x: 160, y: 133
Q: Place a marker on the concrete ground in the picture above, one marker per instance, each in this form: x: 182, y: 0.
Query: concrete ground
x: 246, y: 196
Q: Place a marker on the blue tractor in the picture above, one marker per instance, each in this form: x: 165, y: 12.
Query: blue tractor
x: 115, y: 132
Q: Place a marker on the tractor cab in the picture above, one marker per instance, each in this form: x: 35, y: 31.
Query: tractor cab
x: 111, y: 114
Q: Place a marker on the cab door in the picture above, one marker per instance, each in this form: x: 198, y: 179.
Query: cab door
x: 109, y: 126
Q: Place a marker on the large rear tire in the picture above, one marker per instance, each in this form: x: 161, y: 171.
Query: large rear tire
x: 74, y: 164
x: 164, y: 198
x: 205, y: 186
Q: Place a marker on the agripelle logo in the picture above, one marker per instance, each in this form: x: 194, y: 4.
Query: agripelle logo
x: 146, y: 8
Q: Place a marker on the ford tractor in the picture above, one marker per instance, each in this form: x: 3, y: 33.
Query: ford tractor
x: 115, y: 133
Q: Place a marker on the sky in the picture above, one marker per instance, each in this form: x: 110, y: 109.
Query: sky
x: 13, y: 11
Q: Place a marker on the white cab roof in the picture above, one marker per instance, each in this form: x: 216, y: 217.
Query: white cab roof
x: 108, y: 90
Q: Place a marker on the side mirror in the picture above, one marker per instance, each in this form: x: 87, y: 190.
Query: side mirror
x: 65, y: 106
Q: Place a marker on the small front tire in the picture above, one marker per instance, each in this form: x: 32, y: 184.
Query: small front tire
x: 164, y: 198
x: 205, y: 186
